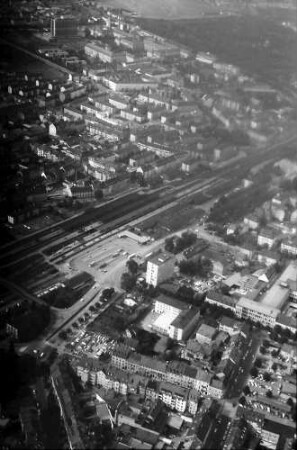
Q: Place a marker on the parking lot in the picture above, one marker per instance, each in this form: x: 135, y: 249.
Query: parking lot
x: 106, y: 260
x: 86, y: 343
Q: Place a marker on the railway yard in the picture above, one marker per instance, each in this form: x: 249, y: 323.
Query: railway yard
x: 88, y: 242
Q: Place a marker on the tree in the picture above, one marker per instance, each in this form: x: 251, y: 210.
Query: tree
x: 128, y: 281
x: 258, y: 363
x: 242, y: 400
x: 132, y: 266
x: 98, y: 194
x: 266, y: 376
x: 63, y: 335
x: 277, y: 329
x: 108, y: 293
x: 185, y: 293
x: 263, y: 350
x: 290, y: 402
x: 254, y: 372
x: 201, y: 267
x: 246, y: 390
x: 87, y: 32
x: 169, y: 245
x: 269, y: 394
x: 274, y: 366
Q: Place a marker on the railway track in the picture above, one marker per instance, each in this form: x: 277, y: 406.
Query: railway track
x: 133, y: 206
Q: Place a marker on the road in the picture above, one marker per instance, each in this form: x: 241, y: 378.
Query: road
x: 116, y: 265
x: 238, y: 378
x: 235, y: 171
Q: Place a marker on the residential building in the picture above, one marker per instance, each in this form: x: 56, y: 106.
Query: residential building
x: 63, y: 27
x: 205, y: 334
x: 104, y: 53
x: 169, y: 306
x: 193, y: 398
x: 279, y: 293
x: 216, y: 389
x: 267, y: 257
x: 182, y: 327
x: 174, y: 396
x: 229, y: 325
x: 287, y: 322
x: 190, y: 165
x: 221, y: 300
x: 160, y: 267
x: 267, y: 237
x: 289, y: 246
x: 248, y: 309
x: 289, y: 352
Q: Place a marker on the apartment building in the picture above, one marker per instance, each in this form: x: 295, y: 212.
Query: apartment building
x: 104, y: 54
x: 183, y: 325
x: 223, y: 301
x: 216, y: 389
x: 160, y: 267
x: 249, y: 309
x: 205, y: 334
x: 175, y: 397
x: 229, y: 325
x: 289, y: 246
x: 267, y: 237
x: 169, y: 306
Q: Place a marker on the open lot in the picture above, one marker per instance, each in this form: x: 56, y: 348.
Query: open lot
x: 106, y: 259
x: 88, y: 343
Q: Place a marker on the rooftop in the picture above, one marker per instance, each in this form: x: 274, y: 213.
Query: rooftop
x: 172, y: 302
x: 184, y: 318
x: 160, y: 258
x: 262, y: 309
x: 206, y: 331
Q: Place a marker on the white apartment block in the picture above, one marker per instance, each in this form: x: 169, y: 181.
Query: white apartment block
x: 184, y: 324
x: 169, y: 306
x: 249, y: 309
x: 266, y: 237
x: 205, y: 334
x: 290, y: 247
x: 160, y: 267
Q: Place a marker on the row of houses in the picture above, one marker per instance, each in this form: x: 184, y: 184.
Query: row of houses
x: 175, y: 386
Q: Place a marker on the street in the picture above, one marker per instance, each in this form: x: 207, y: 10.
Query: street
x: 238, y: 378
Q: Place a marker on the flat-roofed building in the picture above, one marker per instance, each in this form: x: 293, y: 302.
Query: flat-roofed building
x: 160, y: 267
x: 276, y: 296
x: 174, y: 396
x: 169, y: 306
x: 229, y: 325
x: 267, y: 236
x: 249, y: 309
x: 289, y: 246
x: 205, y: 334
x: 184, y: 324
x: 279, y: 293
x: 104, y: 54
x: 223, y: 301
x: 287, y: 322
